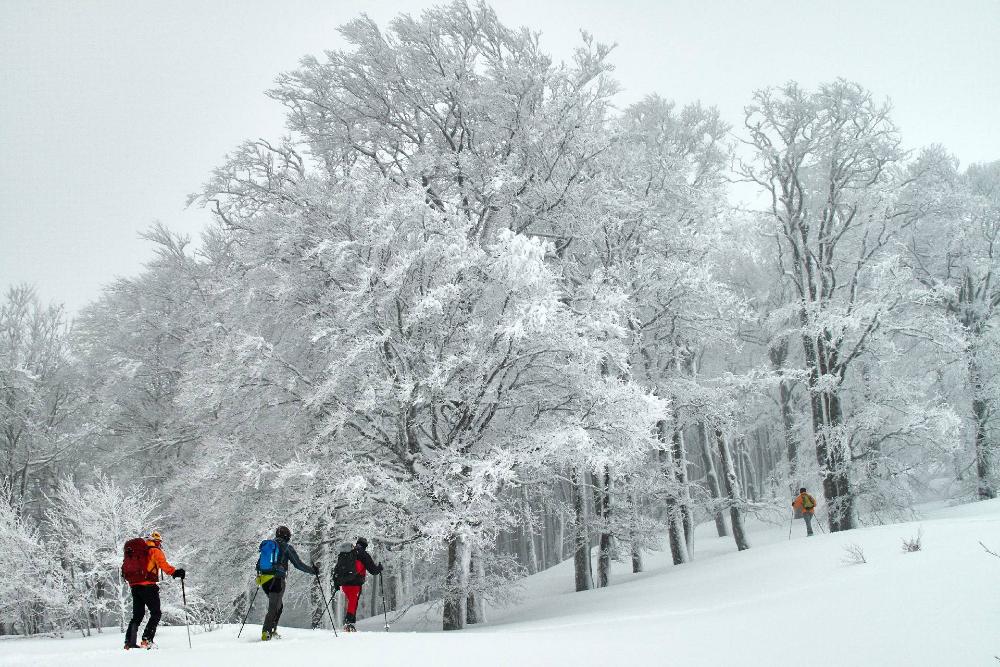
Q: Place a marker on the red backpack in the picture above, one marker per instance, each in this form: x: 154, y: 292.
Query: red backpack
x: 136, y: 562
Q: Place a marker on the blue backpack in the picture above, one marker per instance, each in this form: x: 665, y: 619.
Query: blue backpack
x: 270, y: 555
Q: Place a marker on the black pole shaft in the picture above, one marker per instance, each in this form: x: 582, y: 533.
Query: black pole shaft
x: 385, y: 614
x: 187, y: 621
x: 246, y: 615
x: 326, y: 604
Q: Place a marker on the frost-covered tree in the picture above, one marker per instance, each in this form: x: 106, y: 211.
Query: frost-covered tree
x: 954, y: 250
x: 829, y: 164
x: 134, y: 342
x: 34, y: 595
x: 91, y: 523
x: 654, y: 241
x: 404, y: 297
x: 39, y: 399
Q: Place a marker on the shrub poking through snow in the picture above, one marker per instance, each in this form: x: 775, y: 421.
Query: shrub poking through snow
x: 914, y: 543
x: 853, y: 554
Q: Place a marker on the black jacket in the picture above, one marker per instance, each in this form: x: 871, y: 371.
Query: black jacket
x: 286, y: 552
x: 366, y: 560
x: 354, y: 555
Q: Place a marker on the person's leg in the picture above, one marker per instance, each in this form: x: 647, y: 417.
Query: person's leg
x: 153, y: 602
x: 352, y: 593
x: 808, y: 516
x: 275, y: 589
x: 138, y: 611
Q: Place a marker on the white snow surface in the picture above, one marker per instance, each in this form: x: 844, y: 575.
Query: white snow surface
x: 780, y: 603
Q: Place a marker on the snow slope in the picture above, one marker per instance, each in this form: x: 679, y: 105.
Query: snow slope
x: 780, y: 603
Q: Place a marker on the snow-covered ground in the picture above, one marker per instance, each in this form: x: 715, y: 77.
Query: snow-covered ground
x: 780, y: 603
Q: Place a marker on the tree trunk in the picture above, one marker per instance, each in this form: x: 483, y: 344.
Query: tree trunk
x: 527, y: 530
x: 582, y: 567
x: 681, y: 472
x: 454, y: 593
x: 675, y: 517
x: 604, y: 550
x: 636, y: 559
x: 732, y: 489
x: 777, y: 353
x: 712, y: 478
x: 984, y: 450
x: 315, y: 598
x: 750, y: 476
x: 475, y: 609
x: 827, y: 414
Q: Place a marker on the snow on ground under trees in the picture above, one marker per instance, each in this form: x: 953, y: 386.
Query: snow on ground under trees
x: 780, y: 603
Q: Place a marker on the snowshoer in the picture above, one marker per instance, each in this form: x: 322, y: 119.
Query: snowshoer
x: 805, y: 504
x: 141, y: 568
x: 353, y: 563
x: 272, y: 568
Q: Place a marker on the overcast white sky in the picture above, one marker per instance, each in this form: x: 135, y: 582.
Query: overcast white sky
x: 112, y: 112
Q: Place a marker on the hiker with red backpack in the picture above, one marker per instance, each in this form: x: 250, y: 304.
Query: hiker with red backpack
x: 805, y: 504
x: 353, y: 563
x: 272, y: 568
x: 141, y: 567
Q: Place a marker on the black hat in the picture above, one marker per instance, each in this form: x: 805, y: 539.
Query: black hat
x: 362, y: 542
x: 283, y: 533
x: 802, y: 490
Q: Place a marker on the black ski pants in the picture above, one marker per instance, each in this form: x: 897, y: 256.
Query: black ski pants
x: 143, y: 597
x: 275, y: 589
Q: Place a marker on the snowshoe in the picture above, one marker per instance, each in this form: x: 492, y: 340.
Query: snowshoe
x: 131, y: 646
x: 349, y: 627
x: 148, y: 644
x: 265, y: 636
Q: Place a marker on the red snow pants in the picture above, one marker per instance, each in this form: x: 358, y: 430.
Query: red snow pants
x: 352, y: 593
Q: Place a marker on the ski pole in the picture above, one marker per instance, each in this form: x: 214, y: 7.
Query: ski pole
x: 187, y: 621
x: 790, y: 524
x: 252, y: 598
x: 385, y: 614
x: 326, y: 604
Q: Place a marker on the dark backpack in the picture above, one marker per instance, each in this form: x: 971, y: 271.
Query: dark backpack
x: 344, y: 572
x: 136, y: 562
x: 270, y: 555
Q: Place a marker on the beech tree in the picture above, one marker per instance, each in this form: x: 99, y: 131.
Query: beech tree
x: 954, y: 250
x: 38, y: 397
x: 657, y: 232
x: 443, y: 359
x: 827, y: 161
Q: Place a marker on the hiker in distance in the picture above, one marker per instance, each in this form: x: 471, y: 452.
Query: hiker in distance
x: 805, y: 504
x: 272, y: 568
x: 141, y: 568
x: 353, y: 563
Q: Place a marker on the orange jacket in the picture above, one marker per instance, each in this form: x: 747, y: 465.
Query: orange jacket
x: 157, y: 562
x: 798, y: 502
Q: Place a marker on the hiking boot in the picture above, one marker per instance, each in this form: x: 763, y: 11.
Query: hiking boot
x: 349, y: 627
x: 265, y: 636
x: 147, y: 644
x: 128, y: 646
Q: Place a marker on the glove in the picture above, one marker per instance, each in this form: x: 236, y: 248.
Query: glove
x: 336, y: 587
x: 179, y: 573
x: 378, y: 568
x: 316, y: 569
